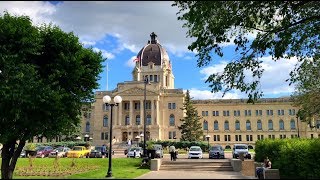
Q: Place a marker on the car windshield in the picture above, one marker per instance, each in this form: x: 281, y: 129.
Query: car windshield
x: 77, y: 148
x: 241, y: 147
x: 216, y: 148
x: 60, y: 149
x: 98, y: 148
x: 195, y: 149
x: 132, y: 149
x: 40, y: 148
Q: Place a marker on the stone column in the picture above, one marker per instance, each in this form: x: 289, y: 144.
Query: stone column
x: 120, y: 114
x: 156, y: 120
x: 131, y: 113
x: 141, y: 112
x: 152, y: 111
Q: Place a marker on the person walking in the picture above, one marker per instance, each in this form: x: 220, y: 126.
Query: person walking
x: 103, y: 151
x: 172, y: 151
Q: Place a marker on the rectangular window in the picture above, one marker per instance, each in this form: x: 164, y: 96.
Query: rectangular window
x: 126, y: 106
x: 155, y: 78
x: 216, y: 137
x: 169, y: 105
x: 151, y: 78
x: 205, y: 113
x: 136, y: 106
x: 102, y: 136
x: 215, y: 113
x: 258, y: 112
x: 226, y: 113
x: 170, y: 135
x: 174, y: 135
x: 280, y: 112
x: 238, y: 138
x: 236, y: 113
x: 106, y: 136
x: 247, y: 112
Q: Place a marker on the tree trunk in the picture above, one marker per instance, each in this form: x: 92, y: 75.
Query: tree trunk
x: 10, y: 155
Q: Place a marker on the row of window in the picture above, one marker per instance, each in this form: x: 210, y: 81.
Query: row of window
x: 250, y: 137
x: 248, y: 112
x: 248, y: 125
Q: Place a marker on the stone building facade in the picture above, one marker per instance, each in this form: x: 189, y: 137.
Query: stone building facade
x: 226, y: 121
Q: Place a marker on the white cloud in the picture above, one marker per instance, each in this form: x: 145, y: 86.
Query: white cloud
x: 130, y: 63
x: 38, y: 11
x: 274, y: 77
x: 105, y: 53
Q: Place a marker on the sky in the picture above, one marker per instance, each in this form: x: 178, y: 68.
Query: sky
x: 119, y: 29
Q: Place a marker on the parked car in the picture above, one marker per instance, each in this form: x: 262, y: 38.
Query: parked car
x: 241, y: 148
x: 43, y: 151
x: 78, y: 152
x: 195, y: 152
x: 216, y: 151
x: 96, y: 152
x: 135, y: 151
x: 60, y: 152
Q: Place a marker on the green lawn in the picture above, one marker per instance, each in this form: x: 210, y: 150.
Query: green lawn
x: 85, y: 168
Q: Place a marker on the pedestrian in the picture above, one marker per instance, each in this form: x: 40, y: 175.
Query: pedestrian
x: 266, y: 165
x: 103, y: 151
x: 172, y: 151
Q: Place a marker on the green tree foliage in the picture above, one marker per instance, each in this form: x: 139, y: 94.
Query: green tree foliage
x: 46, y: 75
x: 191, y: 128
x: 284, y: 29
x: 307, y: 94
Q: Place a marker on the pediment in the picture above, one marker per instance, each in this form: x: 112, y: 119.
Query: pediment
x: 136, y: 91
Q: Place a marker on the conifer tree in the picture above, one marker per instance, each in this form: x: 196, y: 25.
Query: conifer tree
x: 191, y: 128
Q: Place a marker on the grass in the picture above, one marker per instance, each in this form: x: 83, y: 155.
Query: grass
x: 85, y: 168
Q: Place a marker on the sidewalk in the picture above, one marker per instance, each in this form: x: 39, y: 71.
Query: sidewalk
x: 163, y: 174
x: 194, y: 175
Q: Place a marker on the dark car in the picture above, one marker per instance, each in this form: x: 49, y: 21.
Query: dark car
x: 43, y: 151
x: 96, y: 152
x: 216, y: 151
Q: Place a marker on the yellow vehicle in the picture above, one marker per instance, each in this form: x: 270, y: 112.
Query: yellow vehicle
x: 78, y: 152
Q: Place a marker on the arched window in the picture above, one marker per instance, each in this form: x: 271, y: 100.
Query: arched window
x: 148, y: 119
x: 138, y: 120
x: 270, y: 125
x: 87, y: 127
x: 292, y: 124
x: 205, y: 125
x: 226, y: 125
x: 171, y: 120
x: 248, y: 125
x: 281, y: 124
x: 127, y: 120
x: 237, y: 125
x: 216, y: 125
x: 259, y: 125
x: 105, y: 121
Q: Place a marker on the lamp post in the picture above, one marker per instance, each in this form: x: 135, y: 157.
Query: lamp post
x: 146, y: 81
x: 86, y: 137
x: 107, y: 100
x: 137, y: 138
x: 298, y: 126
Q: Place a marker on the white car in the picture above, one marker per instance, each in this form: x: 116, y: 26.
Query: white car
x: 60, y: 151
x: 195, y: 152
x: 135, y: 150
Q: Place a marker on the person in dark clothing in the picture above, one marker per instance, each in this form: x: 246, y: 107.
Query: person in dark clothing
x: 266, y: 165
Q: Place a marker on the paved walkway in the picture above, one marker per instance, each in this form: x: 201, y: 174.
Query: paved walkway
x: 162, y: 174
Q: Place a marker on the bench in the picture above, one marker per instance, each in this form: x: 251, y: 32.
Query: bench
x: 271, y: 174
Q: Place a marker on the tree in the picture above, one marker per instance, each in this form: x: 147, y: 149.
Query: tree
x: 191, y: 129
x: 284, y: 29
x: 307, y: 94
x: 46, y: 75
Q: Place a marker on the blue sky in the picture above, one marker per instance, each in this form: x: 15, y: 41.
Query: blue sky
x: 121, y: 28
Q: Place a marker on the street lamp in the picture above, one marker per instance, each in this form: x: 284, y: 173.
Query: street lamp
x: 86, y: 137
x: 146, y: 81
x: 298, y: 126
x: 137, y: 138
x: 208, y: 137
x: 107, y: 100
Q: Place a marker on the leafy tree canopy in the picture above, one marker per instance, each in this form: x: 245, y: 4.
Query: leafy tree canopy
x: 46, y: 74
x: 284, y: 29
